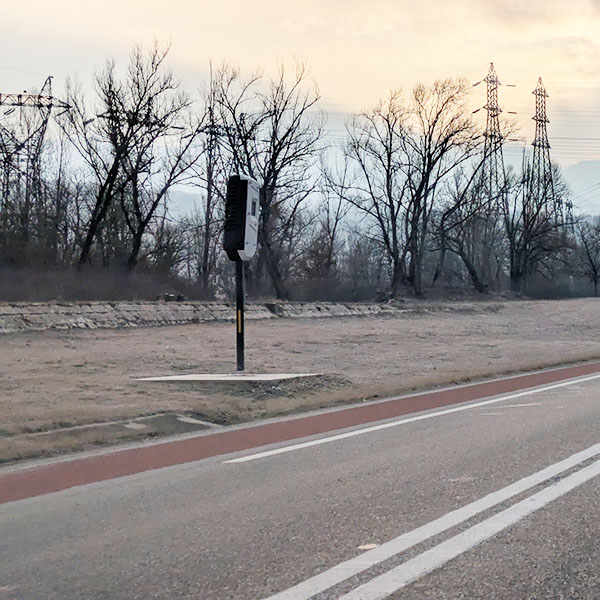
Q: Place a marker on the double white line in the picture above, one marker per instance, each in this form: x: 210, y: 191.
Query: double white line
x: 395, y: 579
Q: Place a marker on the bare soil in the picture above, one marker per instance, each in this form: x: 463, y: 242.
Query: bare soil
x: 53, y: 380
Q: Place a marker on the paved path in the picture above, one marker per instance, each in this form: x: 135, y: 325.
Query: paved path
x: 495, y: 497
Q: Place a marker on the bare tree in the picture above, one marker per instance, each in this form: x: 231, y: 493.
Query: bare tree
x: 401, y: 155
x: 210, y: 177
x: 136, y: 130
x: 462, y: 204
x: 441, y: 138
x: 273, y: 137
x: 102, y: 146
x: 588, y: 236
x: 372, y: 180
x: 326, y: 240
x: 535, y: 230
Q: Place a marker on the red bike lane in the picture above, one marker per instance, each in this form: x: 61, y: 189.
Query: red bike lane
x: 28, y: 481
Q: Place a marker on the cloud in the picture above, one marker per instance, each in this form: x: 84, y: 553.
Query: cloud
x: 358, y: 51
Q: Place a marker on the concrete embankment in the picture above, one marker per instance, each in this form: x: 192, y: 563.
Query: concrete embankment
x: 21, y: 317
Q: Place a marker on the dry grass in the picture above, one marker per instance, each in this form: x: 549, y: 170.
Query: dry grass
x: 57, y: 379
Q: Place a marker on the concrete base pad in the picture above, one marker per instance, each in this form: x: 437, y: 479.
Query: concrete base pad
x: 231, y: 377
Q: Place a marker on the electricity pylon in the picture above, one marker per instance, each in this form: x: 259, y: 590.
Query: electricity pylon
x: 21, y: 144
x: 493, y: 173
x: 485, y: 227
x: 542, y: 181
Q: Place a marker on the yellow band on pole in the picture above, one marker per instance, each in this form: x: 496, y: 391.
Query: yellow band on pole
x: 239, y: 321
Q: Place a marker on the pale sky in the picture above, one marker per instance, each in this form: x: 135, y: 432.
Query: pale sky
x: 357, y: 52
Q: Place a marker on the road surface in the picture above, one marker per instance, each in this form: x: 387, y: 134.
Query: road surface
x: 497, y: 497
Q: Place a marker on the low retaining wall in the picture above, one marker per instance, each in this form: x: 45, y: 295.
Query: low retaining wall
x: 17, y: 317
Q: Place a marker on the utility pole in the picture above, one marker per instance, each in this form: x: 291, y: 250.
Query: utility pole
x: 239, y: 313
x: 208, y: 209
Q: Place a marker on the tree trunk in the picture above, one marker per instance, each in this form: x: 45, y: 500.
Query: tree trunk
x: 103, y: 201
x: 516, y: 281
x: 271, y: 261
x: 396, y: 277
x: 132, y: 261
x: 478, y: 284
x: 419, y: 271
x: 440, y: 265
x: 281, y: 292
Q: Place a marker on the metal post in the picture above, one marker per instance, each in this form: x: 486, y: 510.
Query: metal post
x: 239, y: 330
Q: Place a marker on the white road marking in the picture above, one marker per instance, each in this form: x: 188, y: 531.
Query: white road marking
x: 323, y: 581
x: 386, y: 584
x: 135, y: 426
x: 519, y: 405
x: 389, y: 425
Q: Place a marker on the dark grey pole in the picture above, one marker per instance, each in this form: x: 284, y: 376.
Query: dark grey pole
x: 239, y: 330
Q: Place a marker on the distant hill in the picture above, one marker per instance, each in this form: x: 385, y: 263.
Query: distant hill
x: 584, y: 179
x: 182, y: 203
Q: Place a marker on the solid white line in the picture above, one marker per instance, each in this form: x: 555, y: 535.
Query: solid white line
x: 343, y: 571
x: 439, y: 413
x: 386, y: 584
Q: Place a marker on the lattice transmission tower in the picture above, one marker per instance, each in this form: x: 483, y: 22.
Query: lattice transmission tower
x: 542, y: 180
x: 22, y: 130
x: 493, y: 173
x: 484, y: 225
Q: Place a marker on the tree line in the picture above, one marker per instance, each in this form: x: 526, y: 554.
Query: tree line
x: 405, y: 204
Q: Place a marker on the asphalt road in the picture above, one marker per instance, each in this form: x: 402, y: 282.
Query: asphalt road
x: 499, y: 500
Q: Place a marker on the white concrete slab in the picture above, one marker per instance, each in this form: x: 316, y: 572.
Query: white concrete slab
x: 192, y: 421
x: 135, y: 426
x: 230, y: 377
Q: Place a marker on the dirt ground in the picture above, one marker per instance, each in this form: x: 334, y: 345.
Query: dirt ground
x: 52, y: 381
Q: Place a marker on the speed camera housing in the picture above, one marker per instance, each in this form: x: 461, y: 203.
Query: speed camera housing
x: 241, y: 218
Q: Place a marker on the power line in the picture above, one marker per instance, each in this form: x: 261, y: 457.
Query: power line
x: 22, y: 70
